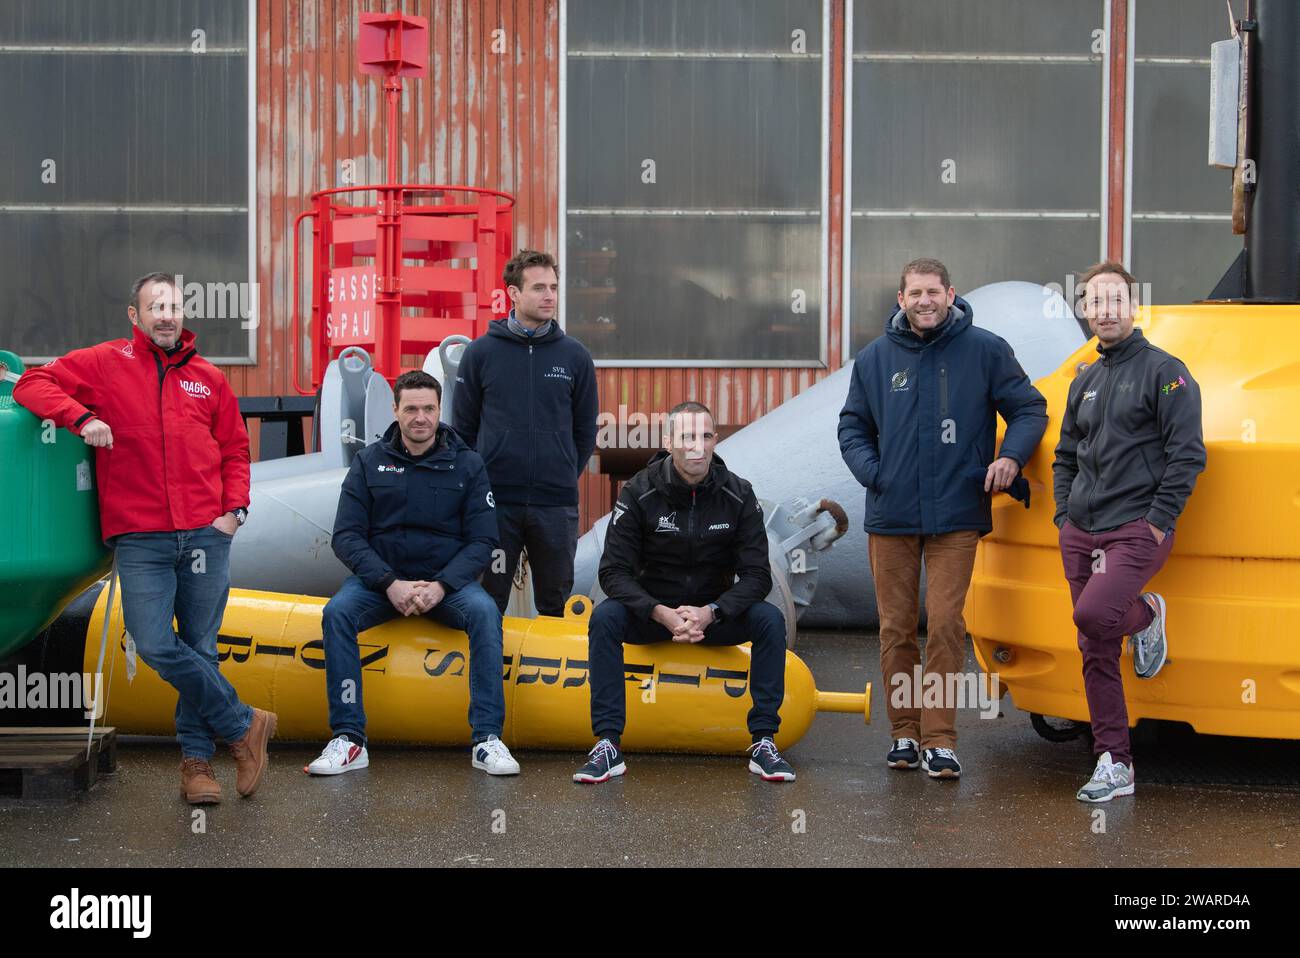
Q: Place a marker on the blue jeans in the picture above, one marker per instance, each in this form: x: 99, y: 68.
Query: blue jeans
x: 612, y: 626
x: 183, y: 574
x: 356, y: 608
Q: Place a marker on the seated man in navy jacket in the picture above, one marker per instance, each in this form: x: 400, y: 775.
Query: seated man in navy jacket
x: 416, y: 524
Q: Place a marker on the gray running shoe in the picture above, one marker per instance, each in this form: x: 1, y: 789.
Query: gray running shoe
x: 1151, y: 645
x: 1108, y: 780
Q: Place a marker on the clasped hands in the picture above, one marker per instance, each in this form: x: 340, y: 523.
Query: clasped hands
x: 415, y: 598
x: 686, y: 622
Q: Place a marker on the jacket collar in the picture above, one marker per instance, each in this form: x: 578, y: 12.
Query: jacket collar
x: 143, y: 345
x: 664, y: 477
x: 446, y: 444
x: 961, y: 315
x: 1123, y: 350
x: 501, y: 329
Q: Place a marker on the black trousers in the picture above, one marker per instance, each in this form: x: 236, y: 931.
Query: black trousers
x: 550, y: 534
x: 611, y: 626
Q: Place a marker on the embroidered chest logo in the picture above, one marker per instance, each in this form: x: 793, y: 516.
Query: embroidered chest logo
x: 129, y: 350
x: 558, y: 372
x: 394, y: 469
x: 668, y: 523
x: 1126, y: 387
x: 719, y: 525
x: 898, y: 383
x: 196, y: 389
x: 1167, y: 388
x: 1090, y: 395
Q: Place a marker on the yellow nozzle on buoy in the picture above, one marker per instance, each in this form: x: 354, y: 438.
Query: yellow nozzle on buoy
x: 415, y: 682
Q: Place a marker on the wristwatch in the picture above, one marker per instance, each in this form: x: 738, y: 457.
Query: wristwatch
x: 241, y: 515
x: 717, y: 611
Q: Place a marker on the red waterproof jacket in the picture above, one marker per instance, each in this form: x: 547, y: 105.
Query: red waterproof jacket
x: 180, y: 450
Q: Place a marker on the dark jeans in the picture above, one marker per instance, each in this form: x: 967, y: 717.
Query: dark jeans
x: 183, y: 574
x: 1108, y: 605
x: 356, y: 608
x: 612, y: 626
x: 550, y: 534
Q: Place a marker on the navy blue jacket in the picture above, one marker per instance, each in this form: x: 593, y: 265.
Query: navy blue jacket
x: 430, y: 519
x: 919, y: 427
x: 529, y: 407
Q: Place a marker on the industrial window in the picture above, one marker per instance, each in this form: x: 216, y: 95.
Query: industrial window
x: 693, y: 195
x: 977, y: 132
x: 1179, y: 238
x: 126, y: 149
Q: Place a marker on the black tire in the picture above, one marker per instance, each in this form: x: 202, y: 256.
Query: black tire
x: 1058, y: 729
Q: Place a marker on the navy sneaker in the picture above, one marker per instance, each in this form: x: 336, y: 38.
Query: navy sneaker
x: 906, y: 753
x: 766, y: 761
x: 604, y: 762
x: 941, y: 763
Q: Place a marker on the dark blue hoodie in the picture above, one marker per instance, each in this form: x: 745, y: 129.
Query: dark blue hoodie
x: 920, y: 424
x: 528, y: 405
x: 431, y: 518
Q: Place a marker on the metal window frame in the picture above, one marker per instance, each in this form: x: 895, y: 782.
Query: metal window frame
x: 823, y: 346
x: 250, y: 357
x: 847, y: 212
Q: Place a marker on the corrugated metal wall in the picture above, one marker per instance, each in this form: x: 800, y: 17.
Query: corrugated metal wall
x: 482, y: 118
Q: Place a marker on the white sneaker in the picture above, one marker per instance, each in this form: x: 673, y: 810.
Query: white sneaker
x: 493, y: 757
x: 339, y: 756
x: 1109, y: 780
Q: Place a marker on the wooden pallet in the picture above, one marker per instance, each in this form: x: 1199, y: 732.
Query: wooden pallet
x: 40, y: 762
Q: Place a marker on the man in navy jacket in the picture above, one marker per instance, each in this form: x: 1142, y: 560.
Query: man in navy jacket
x: 416, y: 524
x: 918, y: 431
x: 526, y: 400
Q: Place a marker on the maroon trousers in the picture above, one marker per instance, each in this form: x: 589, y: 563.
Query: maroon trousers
x: 1107, y: 573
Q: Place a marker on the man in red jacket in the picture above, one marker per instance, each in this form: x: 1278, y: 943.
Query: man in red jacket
x: 171, y: 462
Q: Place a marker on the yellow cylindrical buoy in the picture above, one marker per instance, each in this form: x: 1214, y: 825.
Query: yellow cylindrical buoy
x: 415, y: 682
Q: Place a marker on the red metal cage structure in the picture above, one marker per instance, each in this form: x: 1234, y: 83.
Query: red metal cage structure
x: 391, y: 274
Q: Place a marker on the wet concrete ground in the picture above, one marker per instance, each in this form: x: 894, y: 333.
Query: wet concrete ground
x: 1014, y: 805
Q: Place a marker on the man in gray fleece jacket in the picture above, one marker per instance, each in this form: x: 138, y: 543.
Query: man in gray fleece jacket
x: 1128, y: 457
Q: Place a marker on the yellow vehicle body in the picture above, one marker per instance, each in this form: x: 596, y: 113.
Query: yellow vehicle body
x: 415, y: 681
x: 1232, y: 582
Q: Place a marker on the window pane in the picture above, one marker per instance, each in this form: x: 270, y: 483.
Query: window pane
x: 722, y: 135
x: 975, y: 253
x: 984, y: 26
x: 1181, y: 28
x: 67, y: 276
x: 1021, y: 136
x: 679, y: 289
x: 120, y: 160
x: 694, y: 25
x: 125, y: 129
x: 1182, y: 261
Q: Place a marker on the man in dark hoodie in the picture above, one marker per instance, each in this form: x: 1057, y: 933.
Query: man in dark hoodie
x: 416, y: 524
x: 526, y: 400
x: 686, y: 561
x: 1127, y: 460
x: 918, y: 431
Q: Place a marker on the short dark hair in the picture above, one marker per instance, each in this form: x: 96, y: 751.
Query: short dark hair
x: 925, y: 266
x: 149, y: 279
x: 1110, y: 266
x: 415, y: 379
x: 514, y: 272
x: 689, y: 406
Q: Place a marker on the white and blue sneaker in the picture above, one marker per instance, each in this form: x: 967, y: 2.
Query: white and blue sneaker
x: 1109, y: 780
x: 766, y: 761
x: 604, y: 762
x: 941, y: 763
x: 1151, y: 645
x: 906, y: 753
x: 339, y: 756
x: 492, y: 756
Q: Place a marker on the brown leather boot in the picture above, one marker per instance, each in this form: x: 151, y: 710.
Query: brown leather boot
x: 250, y: 752
x: 198, y: 784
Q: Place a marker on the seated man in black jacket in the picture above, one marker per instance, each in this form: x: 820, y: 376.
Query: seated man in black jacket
x: 416, y: 524
x: 683, y: 529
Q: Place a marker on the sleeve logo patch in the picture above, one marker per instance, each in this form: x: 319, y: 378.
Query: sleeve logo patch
x: 490, y: 501
x: 1167, y: 388
x: 618, y: 514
